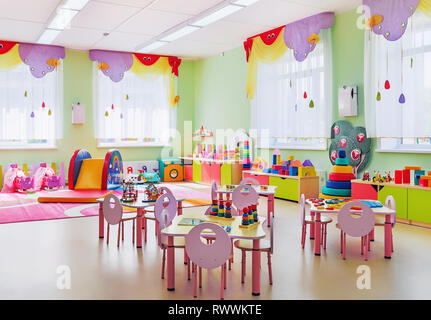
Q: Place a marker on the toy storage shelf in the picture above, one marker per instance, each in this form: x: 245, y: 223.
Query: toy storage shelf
x: 207, y: 170
x: 288, y: 187
x: 411, y: 200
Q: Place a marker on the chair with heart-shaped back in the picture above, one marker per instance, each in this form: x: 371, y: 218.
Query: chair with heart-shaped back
x: 214, y: 199
x: 356, y: 219
x: 149, y: 214
x: 165, y: 210
x: 309, y: 220
x: 113, y: 213
x: 208, y: 256
x: 381, y: 219
x: 251, y: 181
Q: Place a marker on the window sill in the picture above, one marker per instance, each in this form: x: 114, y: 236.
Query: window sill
x: 310, y: 148
x: 28, y: 147
x: 147, y: 145
x: 403, y: 151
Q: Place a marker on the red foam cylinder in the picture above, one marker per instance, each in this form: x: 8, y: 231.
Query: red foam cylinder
x: 398, y: 176
x: 406, y: 176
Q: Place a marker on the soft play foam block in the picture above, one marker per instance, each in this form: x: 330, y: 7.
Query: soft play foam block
x: 337, y: 192
x: 372, y: 204
x: 342, y: 161
x: 339, y: 184
x: 90, y: 175
x: 72, y: 196
x: 342, y: 169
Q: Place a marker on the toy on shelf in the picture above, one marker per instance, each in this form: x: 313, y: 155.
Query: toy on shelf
x: 339, y: 183
x: 15, y: 180
x: 152, y: 177
x: 366, y: 176
x: 130, y: 193
x: 290, y: 167
x: 45, y: 178
x: 202, y: 133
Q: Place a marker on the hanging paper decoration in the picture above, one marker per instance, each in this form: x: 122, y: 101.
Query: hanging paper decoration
x: 112, y: 63
x: 112, y: 107
x: 311, y: 105
x: 387, y: 85
x: 106, y: 114
x: 127, y: 97
x: 290, y: 83
x: 302, y: 36
x: 9, y: 55
x: 43, y: 104
x: 121, y: 115
x: 296, y: 108
x: 425, y: 7
x: 402, y: 98
x: 32, y: 115
x: 389, y: 17
x: 379, y: 96
x: 41, y: 58
x: 25, y: 94
x: 49, y: 112
x: 305, y: 95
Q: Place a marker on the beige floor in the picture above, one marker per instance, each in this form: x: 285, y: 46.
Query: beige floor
x: 32, y: 251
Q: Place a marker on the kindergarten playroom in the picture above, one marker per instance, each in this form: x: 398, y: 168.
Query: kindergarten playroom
x: 215, y: 150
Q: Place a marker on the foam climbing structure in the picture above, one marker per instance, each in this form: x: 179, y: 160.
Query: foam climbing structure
x: 339, y: 184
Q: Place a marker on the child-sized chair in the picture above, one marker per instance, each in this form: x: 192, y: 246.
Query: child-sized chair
x: 264, y: 246
x: 358, y: 226
x: 251, y: 181
x: 208, y: 256
x: 381, y: 219
x: 113, y: 213
x: 165, y: 211
x: 309, y: 220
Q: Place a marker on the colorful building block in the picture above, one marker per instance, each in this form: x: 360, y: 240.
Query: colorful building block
x: 306, y: 172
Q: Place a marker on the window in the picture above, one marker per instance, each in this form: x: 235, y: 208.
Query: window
x: 30, y: 109
x: 401, y: 123
x: 293, y: 100
x: 133, y: 112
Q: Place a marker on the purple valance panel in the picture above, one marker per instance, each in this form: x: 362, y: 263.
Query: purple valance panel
x: 297, y: 34
x: 41, y: 58
x: 389, y: 17
x: 113, y: 63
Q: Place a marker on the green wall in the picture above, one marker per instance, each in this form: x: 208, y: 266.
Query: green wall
x: 220, y: 100
x: 77, y: 68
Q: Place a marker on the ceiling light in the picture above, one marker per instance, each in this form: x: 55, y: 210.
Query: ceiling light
x: 152, y: 46
x: 48, y: 36
x: 217, y: 15
x: 244, y: 3
x: 75, y: 4
x: 63, y: 18
x: 180, y: 33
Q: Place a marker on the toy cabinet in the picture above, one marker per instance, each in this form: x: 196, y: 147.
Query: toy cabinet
x: 210, y: 172
x: 207, y: 171
x: 188, y: 172
x: 226, y: 174
x: 286, y: 188
x: 197, y: 171
x: 400, y: 197
x: 419, y: 202
x: 263, y: 180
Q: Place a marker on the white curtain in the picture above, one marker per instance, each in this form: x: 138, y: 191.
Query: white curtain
x: 21, y: 95
x: 279, y: 105
x: 406, y: 64
x: 141, y: 108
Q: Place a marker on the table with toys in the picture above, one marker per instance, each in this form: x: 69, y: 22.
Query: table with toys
x: 181, y: 226
x: 321, y: 205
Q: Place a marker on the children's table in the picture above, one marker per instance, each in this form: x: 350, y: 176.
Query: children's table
x: 270, y: 192
x: 140, y: 207
x: 254, y: 233
x: 381, y: 210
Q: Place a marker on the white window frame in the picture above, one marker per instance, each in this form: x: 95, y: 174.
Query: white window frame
x: 40, y: 144
x: 125, y: 143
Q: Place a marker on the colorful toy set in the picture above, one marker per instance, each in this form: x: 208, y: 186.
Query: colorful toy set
x: 151, y: 193
x: 249, y: 216
x: 382, y: 179
x: 336, y: 203
x: 130, y: 193
x: 339, y: 183
x: 171, y: 170
x: 290, y: 167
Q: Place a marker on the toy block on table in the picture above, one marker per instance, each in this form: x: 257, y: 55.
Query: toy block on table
x: 398, y: 176
x: 293, y: 171
x: 342, y: 162
x: 339, y: 183
x: 296, y: 163
x: 406, y: 176
x: 412, y: 168
x: 418, y: 174
x: 306, y: 172
x: 342, y: 169
x: 307, y: 163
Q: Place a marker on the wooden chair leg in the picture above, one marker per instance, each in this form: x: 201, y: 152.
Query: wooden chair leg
x: 119, y: 232
x: 341, y: 241
x: 222, y: 284
x: 163, y: 263
x: 185, y: 256
x: 326, y: 234
x: 304, y: 235
x: 362, y: 245
x: 145, y: 229
x: 195, y: 281
x: 269, y: 268
x: 200, y: 277
x: 344, y: 246
x: 107, y: 233
x: 225, y: 275
x: 366, y: 240
x: 122, y: 230
x: 188, y: 268
x: 133, y: 232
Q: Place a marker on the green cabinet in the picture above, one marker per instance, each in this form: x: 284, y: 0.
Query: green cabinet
x: 400, y: 197
x: 419, y: 205
x: 197, y: 171
x: 287, y: 188
x: 226, y: 174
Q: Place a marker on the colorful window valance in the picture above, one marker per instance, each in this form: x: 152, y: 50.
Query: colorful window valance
x: 40, y: 58
x: 115, y: 64
x: 301, y: 37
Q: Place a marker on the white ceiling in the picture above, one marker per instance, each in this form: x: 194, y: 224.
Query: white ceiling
x: 131, y: 23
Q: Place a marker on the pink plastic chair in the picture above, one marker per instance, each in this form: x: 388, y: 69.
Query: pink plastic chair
x: 165, y: 211
x: 264, y: 246
x: 358, y: 226
x: 381, y: 220
x: 113, y: 213
x: 208, y: 256
x: 309, y: 220
x: 213, y: 197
